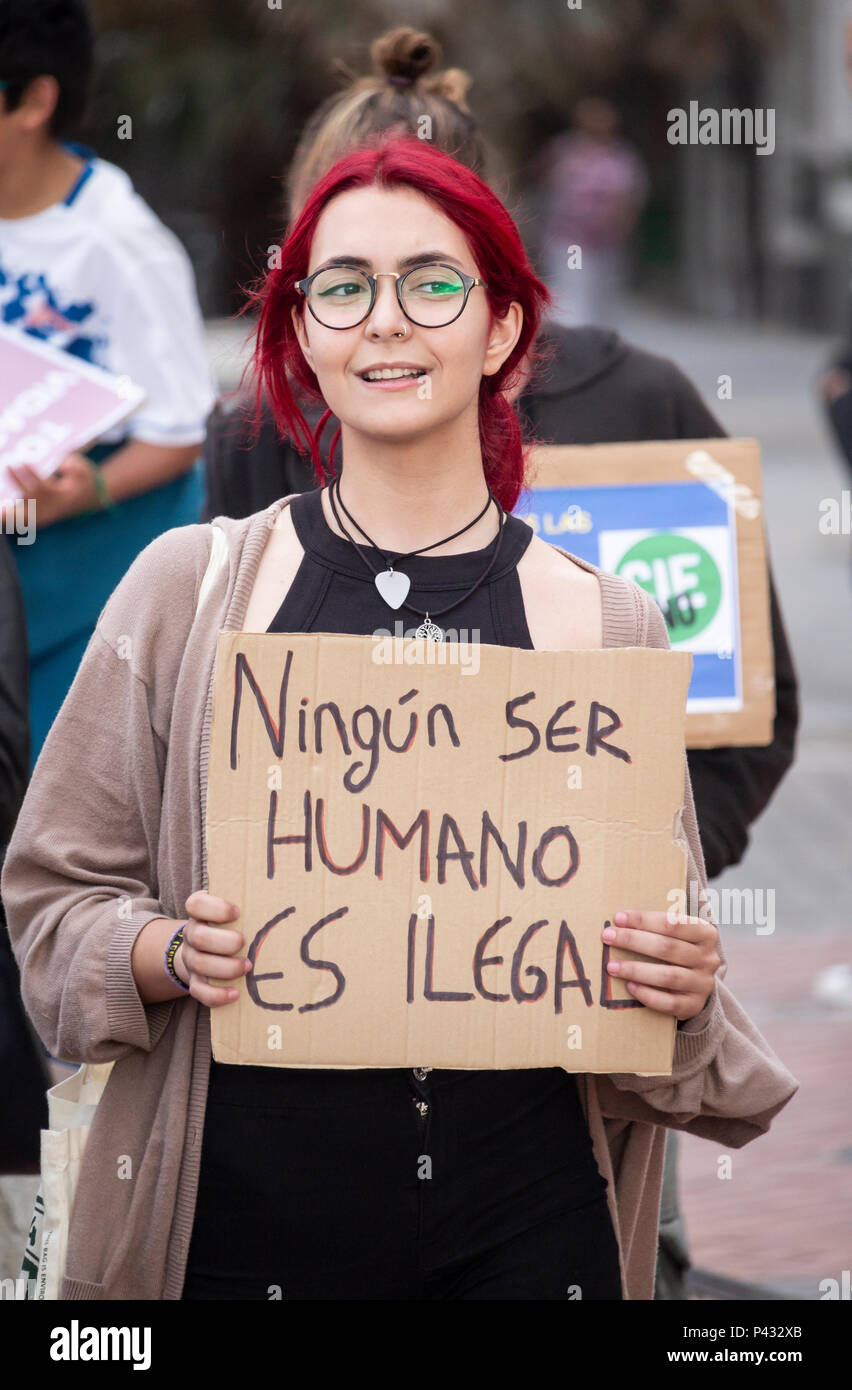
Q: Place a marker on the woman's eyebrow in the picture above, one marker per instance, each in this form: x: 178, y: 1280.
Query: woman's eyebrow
x: 426, y: 256
x: 422, y: 258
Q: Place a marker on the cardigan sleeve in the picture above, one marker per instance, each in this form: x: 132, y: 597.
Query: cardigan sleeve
x: 80, y: 878
x: 726, y: 1082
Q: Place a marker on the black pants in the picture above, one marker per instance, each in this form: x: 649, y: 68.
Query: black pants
x: 390, y: 1184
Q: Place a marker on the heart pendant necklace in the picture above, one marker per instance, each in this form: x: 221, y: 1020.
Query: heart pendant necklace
x: 393, y: 585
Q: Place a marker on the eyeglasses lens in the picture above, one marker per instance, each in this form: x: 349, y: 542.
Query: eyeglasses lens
x: 340, y: 297
x: 432, y: 295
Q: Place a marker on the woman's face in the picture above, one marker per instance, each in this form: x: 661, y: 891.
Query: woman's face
x: 381, y: 230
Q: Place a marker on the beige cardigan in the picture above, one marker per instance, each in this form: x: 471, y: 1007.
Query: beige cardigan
x: 111, y: 835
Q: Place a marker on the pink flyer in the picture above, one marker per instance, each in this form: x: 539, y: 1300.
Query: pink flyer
x: 52, y: 403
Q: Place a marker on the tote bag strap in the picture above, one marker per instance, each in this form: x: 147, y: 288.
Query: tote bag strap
x: 218, y: 556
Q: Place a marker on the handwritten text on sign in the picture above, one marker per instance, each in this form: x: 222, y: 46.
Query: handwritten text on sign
x: 424, y: 860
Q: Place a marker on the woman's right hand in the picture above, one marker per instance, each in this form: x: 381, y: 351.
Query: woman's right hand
x: 209, y: 952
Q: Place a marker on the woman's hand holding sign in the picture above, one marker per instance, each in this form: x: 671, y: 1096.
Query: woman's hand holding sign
x: 687, y: 946
x: 208, y: 953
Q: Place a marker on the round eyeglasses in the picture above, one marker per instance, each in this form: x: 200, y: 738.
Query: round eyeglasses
x: 341, y: 296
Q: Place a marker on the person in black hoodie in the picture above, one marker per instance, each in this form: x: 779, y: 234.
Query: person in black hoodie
x: 595, y: 389
x: 14, y: 697
x: 602, y: 390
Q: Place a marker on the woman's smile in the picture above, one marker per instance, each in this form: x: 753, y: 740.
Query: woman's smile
x: 392, y: 376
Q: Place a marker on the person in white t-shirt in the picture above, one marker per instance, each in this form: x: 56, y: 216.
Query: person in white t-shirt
x: 86, y: 266
x: 99, y: 275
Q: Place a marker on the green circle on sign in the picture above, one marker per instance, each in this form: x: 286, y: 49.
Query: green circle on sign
x: 681, y: 575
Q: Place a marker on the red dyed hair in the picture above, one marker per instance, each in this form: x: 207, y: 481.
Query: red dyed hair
x: 501, y: 261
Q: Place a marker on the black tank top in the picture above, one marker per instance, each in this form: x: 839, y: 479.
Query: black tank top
x: 542, y: 1122
x: 334, y: 591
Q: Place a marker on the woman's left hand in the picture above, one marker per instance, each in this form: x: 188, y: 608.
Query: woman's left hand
x: 687, y: 946
x: 65, y: 493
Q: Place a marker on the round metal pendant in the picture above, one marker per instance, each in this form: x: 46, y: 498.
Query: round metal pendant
x: 431, y: 630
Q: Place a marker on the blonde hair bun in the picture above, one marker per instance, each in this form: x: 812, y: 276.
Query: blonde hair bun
x: 405, y: 53
x: 403, y: 89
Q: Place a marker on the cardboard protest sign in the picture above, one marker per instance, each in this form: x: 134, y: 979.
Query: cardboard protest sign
x: 684, y: 519
x: 425, y: 842
x: 51, y: 403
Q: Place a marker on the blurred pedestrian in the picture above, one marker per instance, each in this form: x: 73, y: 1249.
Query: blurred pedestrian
x: 86, y: 266
x: 593, y: 187
x: 24, y: 1077
x: 835, y: 383
x: 14, y: 718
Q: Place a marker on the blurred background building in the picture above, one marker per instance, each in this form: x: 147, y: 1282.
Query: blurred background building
x: 218, y: 95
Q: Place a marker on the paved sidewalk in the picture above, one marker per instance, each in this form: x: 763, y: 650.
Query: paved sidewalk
x: 784, y: 1216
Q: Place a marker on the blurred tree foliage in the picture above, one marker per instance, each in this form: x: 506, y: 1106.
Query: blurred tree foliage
x: 218, y: 90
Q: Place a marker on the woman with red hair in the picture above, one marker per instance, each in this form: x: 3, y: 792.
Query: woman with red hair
x: 403, y: 297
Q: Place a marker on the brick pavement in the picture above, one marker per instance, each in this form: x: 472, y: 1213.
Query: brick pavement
x: 785, y: 1216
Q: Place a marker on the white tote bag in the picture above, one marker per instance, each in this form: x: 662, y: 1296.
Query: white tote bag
x: 71, y: 1108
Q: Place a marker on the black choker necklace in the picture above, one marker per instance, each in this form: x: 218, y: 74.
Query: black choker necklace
x: 409, y: 554
x: 393, y: 585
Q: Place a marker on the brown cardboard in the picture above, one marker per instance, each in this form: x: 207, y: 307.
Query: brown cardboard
x: 623, y: 816
x: 673, y: 461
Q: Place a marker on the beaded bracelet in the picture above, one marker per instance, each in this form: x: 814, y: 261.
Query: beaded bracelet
x: 171, y: 952
x: 105, y: 501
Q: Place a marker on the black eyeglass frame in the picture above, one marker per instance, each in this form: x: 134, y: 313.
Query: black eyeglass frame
x: 469, y: 281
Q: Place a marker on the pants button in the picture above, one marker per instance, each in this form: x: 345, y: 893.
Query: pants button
x: 422, y: 1072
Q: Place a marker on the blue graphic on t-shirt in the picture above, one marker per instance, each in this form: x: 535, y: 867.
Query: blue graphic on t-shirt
x: 28, y: 303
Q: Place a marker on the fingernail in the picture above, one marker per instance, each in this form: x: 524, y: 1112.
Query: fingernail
x: 247, y: 966
x: 612, y: 967
x: 621, y: 918
x: 609, y: 933
x: 233, y: 994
